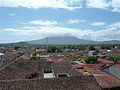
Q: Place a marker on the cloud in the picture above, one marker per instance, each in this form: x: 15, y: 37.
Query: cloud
x: 115, y: 25
x: 98, y: 24
x: 66, y: 4
x: 102, y: 4
x: 39, y: 22
x: 111, y: 32
x: 111, y: 5
x: 75, y: 21
x: 12, y: 14
x: 116, y: 5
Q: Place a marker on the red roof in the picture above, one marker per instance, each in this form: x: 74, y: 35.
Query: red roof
x: 104, y: 61
x: 117, y: 65
x: 55, y: 60
x: 71, y: 53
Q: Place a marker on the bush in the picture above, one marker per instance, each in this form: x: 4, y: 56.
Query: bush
x: 74, y: 63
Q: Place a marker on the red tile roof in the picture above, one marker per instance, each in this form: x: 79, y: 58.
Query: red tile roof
x: 71, y: 53
x: 56, y: 60
x: 104, y: 61
x: 118, y: 66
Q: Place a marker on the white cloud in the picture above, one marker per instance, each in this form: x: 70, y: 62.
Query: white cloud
x: 37, y: 32
x: 116, y: 5
x: 102, y: 4
x: 117, y: 25
x: 98, y: 24
x: 39, y: 22
x: 111, y: 5
x: 75, y: 21
x: 12, y: 14
x: 66, y: 4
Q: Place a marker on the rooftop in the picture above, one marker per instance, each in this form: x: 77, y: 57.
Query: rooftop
x: 69, y: 83
x: 118, y: 66
x: 104, y: 61
x: 105, y: 80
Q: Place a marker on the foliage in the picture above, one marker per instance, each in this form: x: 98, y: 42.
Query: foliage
x: 113, y: 58
x: 92, y: 48
x: 17, y: 47
x: 91, y: 59
x: 76, y: 57
x: 35, y: 54
x: 34, y: 57
x: 53, y: 50
x: 74, y: 63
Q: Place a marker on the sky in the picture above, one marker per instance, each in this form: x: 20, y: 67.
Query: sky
x: 25, y: 20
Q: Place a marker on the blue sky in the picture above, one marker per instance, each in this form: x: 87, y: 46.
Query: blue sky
x: 24, y: 20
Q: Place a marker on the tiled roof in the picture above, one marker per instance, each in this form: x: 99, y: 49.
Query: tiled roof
x: 104, y: 61
x: 118, y: 66
x: 70, y: 83
x: 105, y: 80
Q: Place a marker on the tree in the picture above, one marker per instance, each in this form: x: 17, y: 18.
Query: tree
x: 53, y: 49
x: 91, y: 59
x: 17, y: 47
x: 92, y: 48
x: 113, y: 58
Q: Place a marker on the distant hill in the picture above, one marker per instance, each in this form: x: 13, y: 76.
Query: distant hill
x: 69, y: 40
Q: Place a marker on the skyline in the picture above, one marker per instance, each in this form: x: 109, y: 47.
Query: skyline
x: 25, y: 20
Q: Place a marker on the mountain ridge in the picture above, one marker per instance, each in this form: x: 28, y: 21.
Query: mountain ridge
x: 61, y: 40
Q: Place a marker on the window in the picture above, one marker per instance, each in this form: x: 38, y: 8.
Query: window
x: 61, y: 75
x: 47, y: 70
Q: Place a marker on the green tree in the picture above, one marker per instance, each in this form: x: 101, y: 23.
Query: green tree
x: 17, y: 47
x: 113, y: 58
x: 92, y: 48
x: 53, y: 49
x: 91, y: 59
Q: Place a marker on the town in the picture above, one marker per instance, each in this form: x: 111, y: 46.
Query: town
x: 60, y: 67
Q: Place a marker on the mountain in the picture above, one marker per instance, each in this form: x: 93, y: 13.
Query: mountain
x: 61, y: 40
x: 69, y: 40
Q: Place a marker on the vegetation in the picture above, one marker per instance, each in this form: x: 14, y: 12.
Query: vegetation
x: 17, y: 47
x: 74, y: 63
x: 91, y: 60
x: 34, y: 57
x: 92, y: 48
x: 113, y: 58
x: 53, y: 49
x: 77, y: 57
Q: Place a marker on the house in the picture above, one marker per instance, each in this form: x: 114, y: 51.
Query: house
x: 104, y: 61
x: 3, y: 62
x: 113, y: 70
x: 92, y: 53
x: 115, y: 52
x: 26, y: 74
x: 1, y: 56
x: 105, y: 80
x: 66, y: 83
x: 72, y: 54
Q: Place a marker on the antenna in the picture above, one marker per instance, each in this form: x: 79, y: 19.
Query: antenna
x: 47, y: 41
